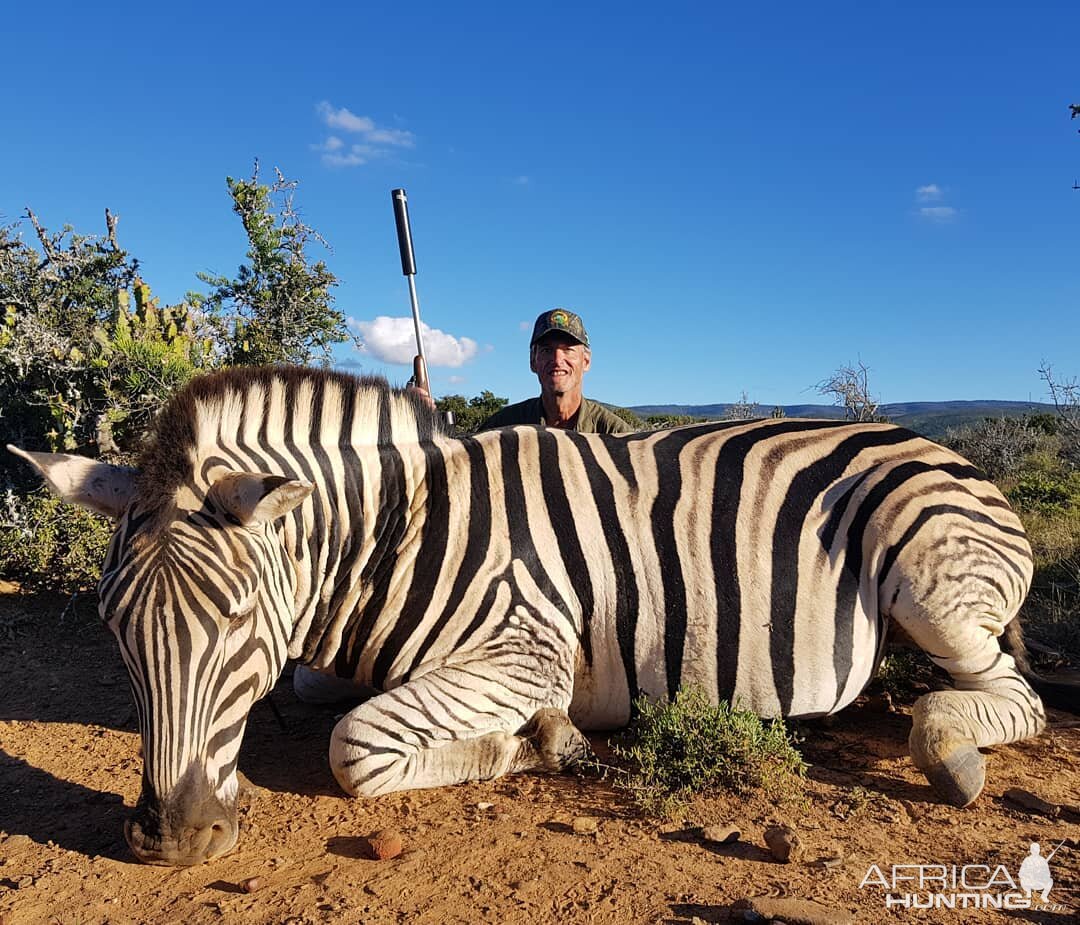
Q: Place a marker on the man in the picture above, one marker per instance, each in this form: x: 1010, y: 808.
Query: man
x: 559, y: 354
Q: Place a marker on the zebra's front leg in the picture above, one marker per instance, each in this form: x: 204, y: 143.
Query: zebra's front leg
x: 447, y: 727
x: 551, y: 742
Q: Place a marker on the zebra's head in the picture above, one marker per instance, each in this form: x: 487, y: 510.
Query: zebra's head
x: 200, y: 598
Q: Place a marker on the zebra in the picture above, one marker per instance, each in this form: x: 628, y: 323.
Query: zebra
x: 505, y: 591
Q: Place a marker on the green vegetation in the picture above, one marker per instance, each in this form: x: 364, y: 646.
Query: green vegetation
x: 690, y: 746
x: 470, y: 413
x: 69, y: 351
x: 279, y: 308
x: 47, y: 544
x: 627, y: 415
x: 664, y: 421
x: 88, y: 356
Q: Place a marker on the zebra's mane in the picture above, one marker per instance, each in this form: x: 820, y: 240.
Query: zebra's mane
x: 217, y: 406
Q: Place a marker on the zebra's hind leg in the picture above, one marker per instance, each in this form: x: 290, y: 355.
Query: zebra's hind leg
x: 990, y: 703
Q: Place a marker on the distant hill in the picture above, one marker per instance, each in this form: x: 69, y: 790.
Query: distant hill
x: 930, y: 418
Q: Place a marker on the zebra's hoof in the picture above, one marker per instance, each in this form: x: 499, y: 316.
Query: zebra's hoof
x: 558, y: 743
x: 959, y: 776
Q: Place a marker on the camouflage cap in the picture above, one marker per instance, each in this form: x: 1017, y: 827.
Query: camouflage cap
x: 560, y: 321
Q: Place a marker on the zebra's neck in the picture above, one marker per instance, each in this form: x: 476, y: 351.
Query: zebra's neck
x: 358, y: 546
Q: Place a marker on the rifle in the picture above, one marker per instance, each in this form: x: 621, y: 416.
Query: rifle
x: 408, y: 268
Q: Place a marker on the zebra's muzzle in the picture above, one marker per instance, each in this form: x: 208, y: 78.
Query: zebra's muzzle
x: 194, y: 846
x: 189, y: 827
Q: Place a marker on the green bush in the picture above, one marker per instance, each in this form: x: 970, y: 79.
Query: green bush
x: 691, y: 746
x: 627, y: 415
x: 46, y: 543
x: 1045, y: 493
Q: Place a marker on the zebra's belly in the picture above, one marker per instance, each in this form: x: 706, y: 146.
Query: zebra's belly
x: 814, y: 668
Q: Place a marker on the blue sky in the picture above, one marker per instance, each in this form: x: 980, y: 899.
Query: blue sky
x: 735, y: 197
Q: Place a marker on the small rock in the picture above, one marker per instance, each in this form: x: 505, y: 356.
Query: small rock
x: 795, y: 911
x: 1032, y: 803
x: 252, y: 884
x: 483, y: 807
x: 720, y: 834
x: 586, y: 825
x: 385, y: 844
x: 784, y: 843
x: 830, y: 862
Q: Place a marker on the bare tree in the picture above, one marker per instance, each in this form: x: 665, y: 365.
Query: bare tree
x: 1065, y: 394
x: 742, y: 410
x: 849, y: 388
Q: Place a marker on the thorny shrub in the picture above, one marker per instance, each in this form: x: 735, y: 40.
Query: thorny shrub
x: 674, y: 751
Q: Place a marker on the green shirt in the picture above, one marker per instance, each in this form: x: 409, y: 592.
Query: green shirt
x: 591, y: 418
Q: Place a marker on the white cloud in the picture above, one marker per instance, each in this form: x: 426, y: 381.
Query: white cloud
x: 352, y: 159
x: 343, y: 119
x: 334, y: 153
x: 938, y: 213
x: 929, y: 193
x: 391, y: 136
x: 457, y: 380
x: 374, y: 141
x: 393, y: 340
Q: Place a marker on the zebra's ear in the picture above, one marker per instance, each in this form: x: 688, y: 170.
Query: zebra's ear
x: 258, y: 497
x: 88, y: 483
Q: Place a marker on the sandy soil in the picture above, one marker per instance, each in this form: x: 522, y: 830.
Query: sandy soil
x: 70, y: 767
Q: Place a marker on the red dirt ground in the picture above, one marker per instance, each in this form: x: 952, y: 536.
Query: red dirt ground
x: 70, y: 768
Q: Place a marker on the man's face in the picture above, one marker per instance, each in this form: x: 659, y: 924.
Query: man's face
x: 559, y: 363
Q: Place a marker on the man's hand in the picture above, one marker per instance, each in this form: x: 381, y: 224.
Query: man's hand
x: 422, y: 394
